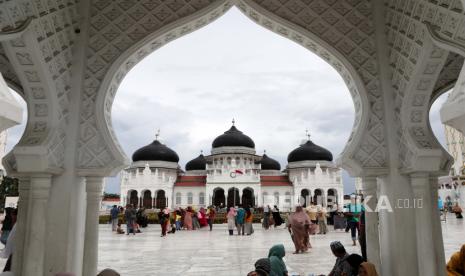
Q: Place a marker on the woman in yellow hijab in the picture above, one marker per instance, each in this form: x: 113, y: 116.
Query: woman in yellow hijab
x: 367, y: 269
x: 456, y: 264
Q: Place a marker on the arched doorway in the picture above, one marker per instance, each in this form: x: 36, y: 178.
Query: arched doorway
x: 305, y: 197
x: 248, y: 198
x: 133, y: 198
x: 331, y: 199
x: 147, y: 199
x: 318, y: 197
x: 218, y: 197
x: 160, y: 201
x: 233, y: 197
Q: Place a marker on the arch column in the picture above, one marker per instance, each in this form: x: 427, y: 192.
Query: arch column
x: 429, y: 233
x: 94, y: 186
x: 34, y: 255
x: 369, y: 190
x: 22, y: 223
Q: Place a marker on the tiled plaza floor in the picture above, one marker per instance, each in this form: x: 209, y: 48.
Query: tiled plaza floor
x: 216, y: 253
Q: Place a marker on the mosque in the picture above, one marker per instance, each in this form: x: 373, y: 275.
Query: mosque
x: 232, y: 174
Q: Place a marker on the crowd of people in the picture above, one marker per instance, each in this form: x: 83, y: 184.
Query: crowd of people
x: 170, y: 221
x: 345, y: 265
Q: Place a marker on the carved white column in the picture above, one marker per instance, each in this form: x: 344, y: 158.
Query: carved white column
x: 22, y: 226
x: 453, y: 111
x: 94, y: 187
x: 34, y: 246
x: 369, y: 190
x: 432, y: 260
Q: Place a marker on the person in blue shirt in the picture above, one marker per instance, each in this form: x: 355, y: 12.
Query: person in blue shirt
x: 114, y: 212
x: 240, y: 217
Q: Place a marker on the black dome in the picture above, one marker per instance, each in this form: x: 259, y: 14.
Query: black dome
x: 309, y: 152
x: 155, y: 151
x: 198, y: 163
x: 233, y: 138
x: 269, y: 163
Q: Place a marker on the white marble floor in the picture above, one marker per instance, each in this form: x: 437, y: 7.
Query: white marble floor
x: 216, y: 253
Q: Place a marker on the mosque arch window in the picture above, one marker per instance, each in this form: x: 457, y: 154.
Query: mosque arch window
x: 178, y: 198
x: 276, y: 198
x: 287, y: 198
x: 190, y: 198
x: 265, y: 198
x: 201, y: 199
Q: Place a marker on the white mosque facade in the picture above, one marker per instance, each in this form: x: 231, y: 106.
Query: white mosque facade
x: 232, y: 174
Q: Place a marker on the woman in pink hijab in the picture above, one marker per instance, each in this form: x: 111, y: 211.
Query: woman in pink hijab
x: 299, y: 227
x: 231, y: 217
x: 188, y: 218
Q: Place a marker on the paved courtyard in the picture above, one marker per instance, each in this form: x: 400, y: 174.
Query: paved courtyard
x: 216, y: 253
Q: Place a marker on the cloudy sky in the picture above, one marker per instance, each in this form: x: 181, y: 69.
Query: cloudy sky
x: 193, y: 87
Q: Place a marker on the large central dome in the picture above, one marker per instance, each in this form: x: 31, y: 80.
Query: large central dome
x: 233, y: 138
x: 155, y: 151
x: 309, y: 152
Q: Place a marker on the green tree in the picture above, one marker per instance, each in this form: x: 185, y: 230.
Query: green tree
x: 8, y: 187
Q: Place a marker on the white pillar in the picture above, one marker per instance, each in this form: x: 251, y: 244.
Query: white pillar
x: 22, y: 224
x: 370, y: 187
x: 33, y: 262
x: 398, y: 238
x: 432, y: 261
x: 94, y: 195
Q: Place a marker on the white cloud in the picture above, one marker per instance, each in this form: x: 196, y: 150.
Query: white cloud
x: 192, y: 87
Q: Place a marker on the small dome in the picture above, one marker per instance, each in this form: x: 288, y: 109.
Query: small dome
x: 233, y: 138
x: 269, y: 163
x: 155, y: 151
x: 199, y: 163
x: 309, y: 152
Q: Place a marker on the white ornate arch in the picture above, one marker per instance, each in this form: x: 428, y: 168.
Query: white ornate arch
x: 351, y: 158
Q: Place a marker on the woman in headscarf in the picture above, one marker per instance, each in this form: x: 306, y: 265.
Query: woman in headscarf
x: 276, y: 254
x: 248, y: 229
x: 202, y: 215
x: 231, y: 217
x: 299, y: 226
x: 188, y: 219
x: 367, y: 269
x: 276, y: 216
x: 456, y: 264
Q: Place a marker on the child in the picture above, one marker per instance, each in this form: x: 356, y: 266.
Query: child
x: 119, y: 230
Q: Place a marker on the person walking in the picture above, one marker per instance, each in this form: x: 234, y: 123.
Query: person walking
x: 266, y: 217
x: 277, y: 217
x: 7, y: 224
x: 114, y: 212
x: 299, y: 227
x: 231, y: 217
x: 240, y: 217
x: 211, y: 213
x: 353, y: 219
x: 177, y: 219
x: 188, y: 218
x: 130, y: 217
x: 248, y: 228
x: 162, y: 219
x: 321, y: 217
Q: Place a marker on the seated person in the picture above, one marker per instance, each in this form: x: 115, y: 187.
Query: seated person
x: 119, y: 230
